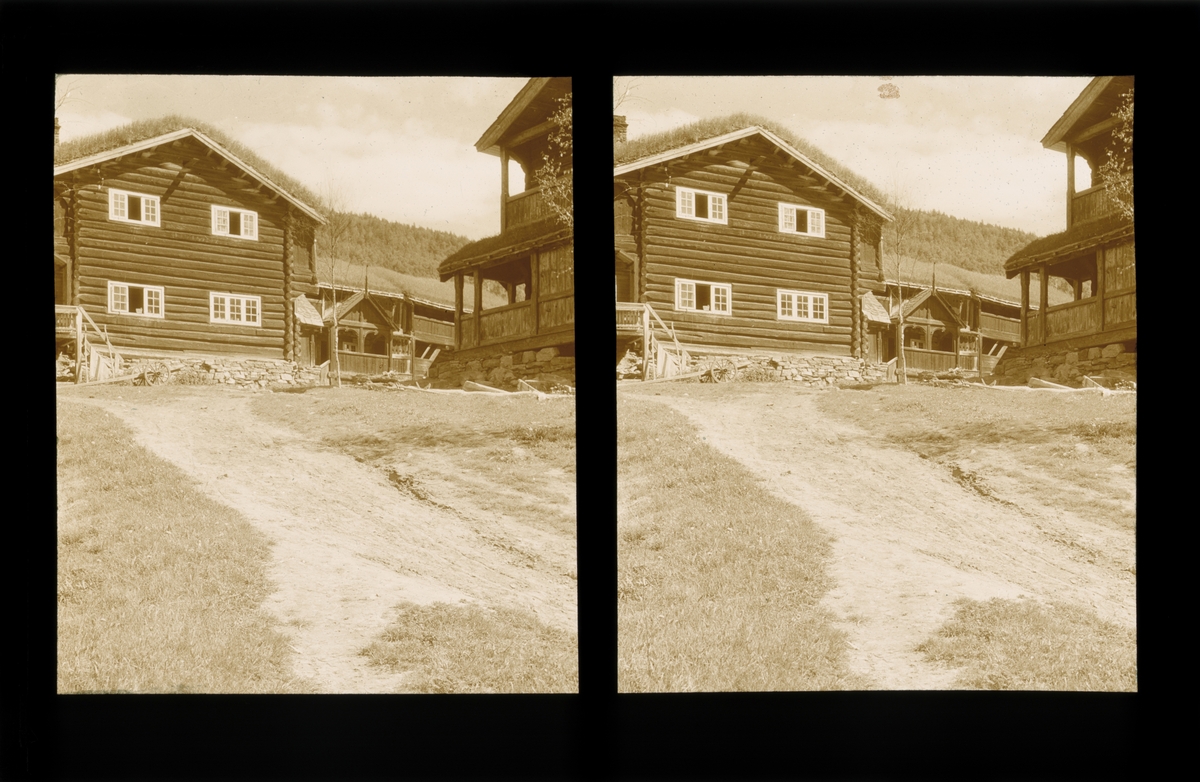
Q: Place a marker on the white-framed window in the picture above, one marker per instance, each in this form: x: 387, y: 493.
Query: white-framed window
x: 126, y: 299
x: 241, y: 223
x: 801, y: 305
x: 127, y: 207
x: 806, y: 220
x: 694, y: 296
x: 227, y: 308
x: 700, y: 205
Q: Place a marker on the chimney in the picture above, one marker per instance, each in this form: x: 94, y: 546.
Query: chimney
x: 620, y: 126
x: 56, y: 131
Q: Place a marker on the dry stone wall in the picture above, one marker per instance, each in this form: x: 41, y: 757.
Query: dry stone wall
x: 240, y: 372
x: 547, y: 365
x: 810, y: 370
x: 1068, y: 367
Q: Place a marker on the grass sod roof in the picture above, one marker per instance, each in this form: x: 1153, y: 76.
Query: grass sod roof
x: 1076, y: 237
x: 386, y: 281
x: 955, y: 280
x: 542, y: 231
x: 143, y: 130
x: 657, y: 143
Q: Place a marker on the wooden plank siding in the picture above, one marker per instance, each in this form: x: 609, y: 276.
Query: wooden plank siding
x: 182, y: 255
x: 749, y: 253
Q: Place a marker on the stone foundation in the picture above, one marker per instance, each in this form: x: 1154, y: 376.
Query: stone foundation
x: 504, y: 369
x: 1059, y: 365
x: 240, y: 372
x: 808, y: 370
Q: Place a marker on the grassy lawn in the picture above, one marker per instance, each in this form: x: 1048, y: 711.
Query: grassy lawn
x: 1073, y: 452
x: 472, y: 649
x: 159, y: 587
x: 475, y: 454
x: 718, y: 580
x: 483, y: 444
x: 1023, y: 645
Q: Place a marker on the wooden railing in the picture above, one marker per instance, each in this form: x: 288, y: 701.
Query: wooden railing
x: 631, y: 316
x: 439, y: 332
x: 91, y: 361
x: 939, y: 360
x: 527, y: 207
x: 999, y: 327
x: 370, y: 363
x: 1073, y: 319
x: 512, y: 320
x: 1090, y: 204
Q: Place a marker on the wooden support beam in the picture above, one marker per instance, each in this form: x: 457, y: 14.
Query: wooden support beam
x: 1044, y: 302
x: 533, y: 290
x: 1024, y: 307
x: 1100, y: 285
x: 1095, y: 130
x: 1070, y: 181
x: 458, y: 310
x: 525, y: 135
x: 503, y: 188
x: 478, y: 307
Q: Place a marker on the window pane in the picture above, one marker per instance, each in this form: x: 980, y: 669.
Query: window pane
x: 249, y: 229
x: 119, y: 208
x: 222, y: 221
x: 235, y: 308
x: 720, y: 299
x: 686, y: 203
x: 789, y: 219
x: 218, y: 306
x: 251, y: 310
x: 153, y: 301
x: 819, y: 308
x: 801, y: 306
x: 785, y: 305
x: 120, y: 298
x: 150, y: 210
x: 717, y: 211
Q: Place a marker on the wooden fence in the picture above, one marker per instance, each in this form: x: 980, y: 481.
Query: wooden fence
x: 939, y: 361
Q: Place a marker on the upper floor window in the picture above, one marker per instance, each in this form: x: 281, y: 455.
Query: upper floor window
x: 125, y: 299
x: 700, y: 205
x: 127, y: 207
x: 805, y: 220
x: 234, y: 222
x: 799, y: 305
x: 703, y: 297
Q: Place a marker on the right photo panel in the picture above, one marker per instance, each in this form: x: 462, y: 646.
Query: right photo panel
x: 876, y: 383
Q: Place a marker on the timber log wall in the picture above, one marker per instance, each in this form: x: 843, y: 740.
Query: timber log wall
x: 750, y: 253
x: 181, y: 254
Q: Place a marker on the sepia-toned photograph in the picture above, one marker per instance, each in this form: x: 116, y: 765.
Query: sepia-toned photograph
x: 876, y: 383
x: 315, y: 356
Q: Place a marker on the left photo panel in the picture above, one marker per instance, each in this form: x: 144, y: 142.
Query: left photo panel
x: 315, y: 362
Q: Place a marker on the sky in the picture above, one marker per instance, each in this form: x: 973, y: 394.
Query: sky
x: 399, y: 148
x: 965, y: 146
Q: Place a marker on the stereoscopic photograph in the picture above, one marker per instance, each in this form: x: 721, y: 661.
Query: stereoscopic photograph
x: 876, y: 383
x: 315, y: 385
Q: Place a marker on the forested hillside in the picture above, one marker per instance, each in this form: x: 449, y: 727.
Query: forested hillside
x: 934, y: 237
x: 372, y: 241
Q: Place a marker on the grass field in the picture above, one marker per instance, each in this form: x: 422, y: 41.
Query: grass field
x: 159, y: 587
x: 1070, y: 451
x: 1067, y: 452
x: 718, y: 580
x: 472, y: 649
x: 511, y: 456
x: 1023, y: 645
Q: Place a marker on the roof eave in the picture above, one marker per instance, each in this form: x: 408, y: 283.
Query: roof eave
x: 1054, y: 138
x: 176, y: 135
x: 487, y: 143
x: 735, y: 135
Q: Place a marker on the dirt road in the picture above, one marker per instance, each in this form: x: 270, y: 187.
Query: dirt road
x: 909, y: 538
x: 348, y: 544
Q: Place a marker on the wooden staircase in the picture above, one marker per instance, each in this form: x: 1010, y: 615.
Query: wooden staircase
x: 662, y: 355
x: 95, y: 357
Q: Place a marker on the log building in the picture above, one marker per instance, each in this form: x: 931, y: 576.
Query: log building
x: 1095, y: 332
x: 174, y: 245
x: 532, y: 259
x: 739, y: 243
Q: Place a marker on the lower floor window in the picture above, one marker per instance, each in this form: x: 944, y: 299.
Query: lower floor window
x: 126, y: 299
x: 703, y: 296
x: 799, y: 305
x: 227, y: 308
